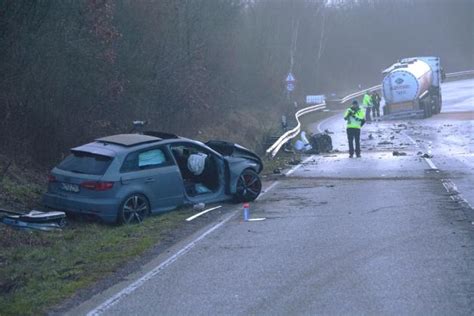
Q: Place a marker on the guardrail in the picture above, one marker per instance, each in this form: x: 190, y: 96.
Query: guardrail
x: 460, y: 73
x: 273, y: 149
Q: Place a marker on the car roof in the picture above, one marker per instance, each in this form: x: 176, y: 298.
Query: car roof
x: 128, y: 140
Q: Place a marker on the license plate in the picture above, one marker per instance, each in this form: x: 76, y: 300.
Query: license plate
x: 69, y: 187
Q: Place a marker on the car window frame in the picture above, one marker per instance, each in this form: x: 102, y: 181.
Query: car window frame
x: 169, y: 160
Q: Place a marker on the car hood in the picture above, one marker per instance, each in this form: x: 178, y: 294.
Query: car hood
x: 228, y: 149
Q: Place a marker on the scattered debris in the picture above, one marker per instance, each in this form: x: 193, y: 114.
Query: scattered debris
x: 321, y: 143
x: 277, y: 171
x: 385, y: 143
x: 427, y: 156
x: 46, y: 221
x: 328, y: 131
x: 399, y: 153
x: 419, y: 153
x: 370, y: 136
x: 294, y: 162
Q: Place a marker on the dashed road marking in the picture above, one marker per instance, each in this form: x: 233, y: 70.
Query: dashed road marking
x: 448, y: 184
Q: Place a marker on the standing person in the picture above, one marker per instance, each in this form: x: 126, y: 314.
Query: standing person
x: 355, y: 118
x: 367, y: 104
x: 376, y: 104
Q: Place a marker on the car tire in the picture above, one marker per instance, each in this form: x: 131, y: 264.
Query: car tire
x: 249, y: 186
x: 133, y: 209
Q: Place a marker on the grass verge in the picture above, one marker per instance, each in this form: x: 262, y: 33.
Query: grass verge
x: 41, y: 269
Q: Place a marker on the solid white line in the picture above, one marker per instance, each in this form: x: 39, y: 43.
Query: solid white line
x: 202, y: 213
x: 298, y: 166
x: 274, y: 184
x: 324, y: 122
x: 138, y: 283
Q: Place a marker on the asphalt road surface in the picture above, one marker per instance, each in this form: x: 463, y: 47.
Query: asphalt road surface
x: 382, y: 234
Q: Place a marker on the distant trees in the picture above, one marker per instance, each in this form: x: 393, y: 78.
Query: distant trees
x: 74, y: 70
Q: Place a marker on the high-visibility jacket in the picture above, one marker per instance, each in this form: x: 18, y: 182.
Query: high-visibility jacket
x: 355, y: 119
x: 367, y: 101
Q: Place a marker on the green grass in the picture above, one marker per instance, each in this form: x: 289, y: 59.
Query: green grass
x: 41, y: 269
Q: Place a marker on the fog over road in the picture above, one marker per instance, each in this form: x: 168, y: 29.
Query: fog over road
x: 383, y: 234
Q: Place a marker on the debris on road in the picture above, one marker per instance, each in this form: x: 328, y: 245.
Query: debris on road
x: 294, y: 162
x: 427, y: 156
x: 399, y: 153
x: 321, y: 143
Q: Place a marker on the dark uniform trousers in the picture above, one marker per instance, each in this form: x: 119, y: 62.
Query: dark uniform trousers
x: 353, y: 134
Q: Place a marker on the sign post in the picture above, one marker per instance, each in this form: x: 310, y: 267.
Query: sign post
x: 290, y: 85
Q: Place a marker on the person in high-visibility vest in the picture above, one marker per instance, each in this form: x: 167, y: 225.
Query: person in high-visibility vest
x: 376, y: 105
x: 355, y: 118
x: 367, y: 105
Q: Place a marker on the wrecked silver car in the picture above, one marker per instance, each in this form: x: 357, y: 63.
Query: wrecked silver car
x: 123, y: 178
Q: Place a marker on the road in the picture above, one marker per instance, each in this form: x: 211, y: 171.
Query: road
x: 383, y: 234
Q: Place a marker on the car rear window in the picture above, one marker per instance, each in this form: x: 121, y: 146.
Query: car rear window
x: 87, y: 163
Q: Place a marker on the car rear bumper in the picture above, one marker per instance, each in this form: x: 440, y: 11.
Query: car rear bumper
x: 106, y: 209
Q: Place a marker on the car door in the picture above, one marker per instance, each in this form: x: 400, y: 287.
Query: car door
x: 153, y: 173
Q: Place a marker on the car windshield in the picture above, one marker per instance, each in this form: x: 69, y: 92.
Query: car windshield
x: 86, y: 163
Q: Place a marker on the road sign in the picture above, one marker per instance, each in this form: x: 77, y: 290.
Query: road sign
x: 290, y: 86
x: 290, y: 78
x: 315, y: 99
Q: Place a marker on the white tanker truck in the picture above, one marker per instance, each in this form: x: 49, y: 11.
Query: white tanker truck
x: 413, y: 86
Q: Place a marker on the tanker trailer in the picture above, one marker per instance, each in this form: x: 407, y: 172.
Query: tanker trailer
x: 436, y: 79
x: 409, y: 87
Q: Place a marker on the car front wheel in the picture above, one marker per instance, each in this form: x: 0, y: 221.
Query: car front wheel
x: 249, y: 186
x: 134, y: 209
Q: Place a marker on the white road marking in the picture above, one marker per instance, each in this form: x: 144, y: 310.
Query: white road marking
x: 323, y: 122
x: 202, y: 213
x: 411, y: 139
x: 299, y: 165
x: 448, y: 184
x: 455, y: 194
x: 138, y: 283
x: 274, y: 184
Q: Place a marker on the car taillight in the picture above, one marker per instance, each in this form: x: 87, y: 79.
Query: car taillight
x: 97, y: 186
x: 51, y: 178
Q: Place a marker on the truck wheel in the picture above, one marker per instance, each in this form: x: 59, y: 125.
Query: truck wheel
x: 429, y: 108
x: 435, y: 105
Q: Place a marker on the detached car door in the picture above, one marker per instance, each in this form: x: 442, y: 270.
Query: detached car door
x: 153, y: 173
